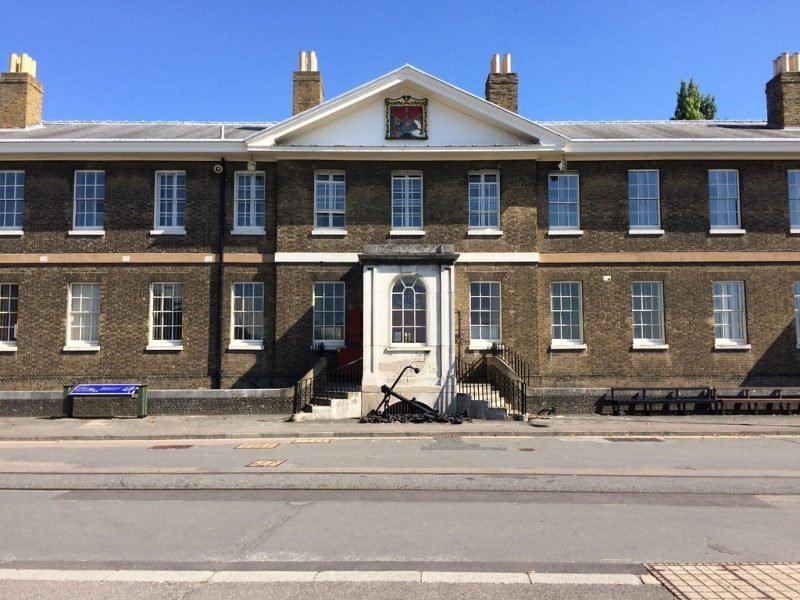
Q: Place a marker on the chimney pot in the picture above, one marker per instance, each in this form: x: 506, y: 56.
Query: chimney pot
x: 307, y: 84
x: 494, y: 64
x: 507, y: 63
x: 20, y: 94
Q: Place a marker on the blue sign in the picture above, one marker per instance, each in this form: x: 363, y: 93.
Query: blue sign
x: 105, y: 389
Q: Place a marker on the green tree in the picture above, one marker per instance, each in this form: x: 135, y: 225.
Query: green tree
x: 692, y: 105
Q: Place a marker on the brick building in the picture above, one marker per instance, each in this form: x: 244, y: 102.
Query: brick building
x: 406, y: 222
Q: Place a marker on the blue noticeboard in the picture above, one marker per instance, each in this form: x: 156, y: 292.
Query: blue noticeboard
x: 105, y: 389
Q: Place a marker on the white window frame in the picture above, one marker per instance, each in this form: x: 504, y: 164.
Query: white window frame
x: 12, y: 230
x: 722, y: 290
x: 84, y: 229
x: 173, y: 229
x: 651, y: 343
x: 405, y: 204
x: 403, y: 310
x: 797, y: 312
x: 83, y: 345
x: 328, y: 343
x: 566, y: 343
x: 325, y: 176
x: 634, y: 228
x: 727, y: 229
x: 793, y: 184
x: 172, y: 344
x: 241, y: 343
x: 559, y: 230
x: 483, y: 198
x: 480, y: 343
x: 253, y: 201
x: 9, y: 315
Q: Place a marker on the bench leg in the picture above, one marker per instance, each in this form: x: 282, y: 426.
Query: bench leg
x: 67, y: 402
x: 141, y: 402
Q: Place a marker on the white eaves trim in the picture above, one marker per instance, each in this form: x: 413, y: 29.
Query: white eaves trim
x: 700, y: 147
x: 107, y: 146
x: 405, y: 75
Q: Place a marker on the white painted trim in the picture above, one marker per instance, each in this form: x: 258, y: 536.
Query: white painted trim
x: 498, y: 257
x: 8, y: 347
x: 169, y: 231
x: 484, y: 232
x: 407, y: 348
x: 726, y: 231
x: 11, y: 232
x: 328, y: 232
x: 316, y: 257
x: 85, y: 348
x: 792, y: 231
x: 564, y: 232
x: 557, y: 346
x: 248, y: 231
x: 409, y: 232
x: 645, y: 346
x: 730, y: 346
x: 481, y: 344
x: 636, y: 231
x: 163, y: 347
x: 95, y: 232
x: 242, y: 345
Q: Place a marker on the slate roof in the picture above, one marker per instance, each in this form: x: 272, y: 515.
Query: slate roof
x: 668, y: 130
x: 102, y: 130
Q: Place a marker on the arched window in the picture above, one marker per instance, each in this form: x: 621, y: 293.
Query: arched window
x: 408, y: 312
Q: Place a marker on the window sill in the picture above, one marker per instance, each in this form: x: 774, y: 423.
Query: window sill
x: 484, y: 232
x: 331, y: 232
x: 8, y: 347
x: 731, y: 346
x: 164, y: 347
x: 726, y: 231
x: 792, y: 231
x: 253, y: 347
x: 87, y: 232
x: 169, y: 231
x: 86, y: 348
x: 409, y: 232
x: 482, y: 345
x: 408, y: 348
x: 11, y: 232
x: 555, y: 347
x: 564, y: 232
x: 645, y: 232
x: 248, y: 231
x: 654, y: 347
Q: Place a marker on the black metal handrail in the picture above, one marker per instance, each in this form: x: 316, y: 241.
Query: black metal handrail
x: 491, y: 386
x: 514, y: 360
x: 328, y: 384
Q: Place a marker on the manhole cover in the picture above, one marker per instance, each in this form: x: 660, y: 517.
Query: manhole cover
x: 527, y: 449
x: 257, y: 446
x: 171, y: 447
x: 267, y: 463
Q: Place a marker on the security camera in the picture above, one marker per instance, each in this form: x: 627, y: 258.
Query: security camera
x: 217, y: 169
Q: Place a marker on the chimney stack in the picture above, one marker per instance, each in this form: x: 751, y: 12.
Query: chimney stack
x: 502, y: 85
x: 307, y: 83
x: 783, y: 92
x: 20, y: 94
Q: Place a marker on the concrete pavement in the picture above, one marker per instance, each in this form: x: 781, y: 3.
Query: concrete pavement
x: 265, y: 426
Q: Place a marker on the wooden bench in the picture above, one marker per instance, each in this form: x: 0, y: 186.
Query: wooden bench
x: 772, y: 399
x: 103, y: 390
x: 677, y: 398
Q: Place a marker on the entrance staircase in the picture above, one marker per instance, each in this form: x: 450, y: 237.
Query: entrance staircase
x: 326, y: 394
x: 495, y: 386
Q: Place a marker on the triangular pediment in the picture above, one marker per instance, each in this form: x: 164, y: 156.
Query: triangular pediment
x: 453, y: 118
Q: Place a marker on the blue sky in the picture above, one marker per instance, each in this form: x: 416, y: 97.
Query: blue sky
x: 229, y: 61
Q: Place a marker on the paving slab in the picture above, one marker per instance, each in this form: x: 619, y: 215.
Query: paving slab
x: 259, y: 426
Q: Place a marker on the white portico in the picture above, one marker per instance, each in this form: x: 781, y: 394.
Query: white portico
x: 408, y: 320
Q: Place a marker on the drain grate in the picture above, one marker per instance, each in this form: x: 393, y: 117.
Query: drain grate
x: 267, y: 463
x: 312, y: 441
x: 633, y: 439
x: 257, y: 446
x: 527, y: 449
x: 171, y: 447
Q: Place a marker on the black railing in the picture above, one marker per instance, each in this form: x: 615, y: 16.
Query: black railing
x: 514, y: 360
x: 328, y: 385
x: 487, y: 384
